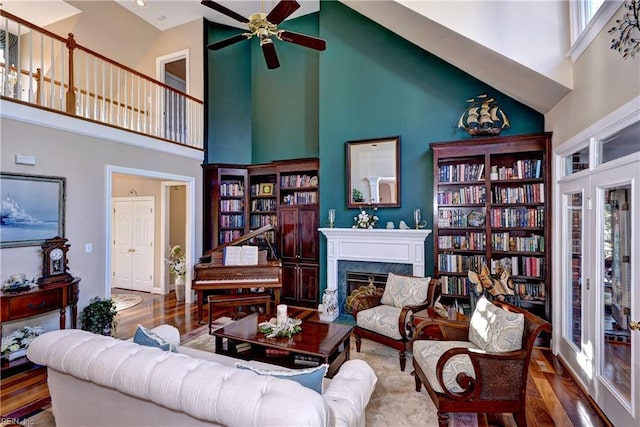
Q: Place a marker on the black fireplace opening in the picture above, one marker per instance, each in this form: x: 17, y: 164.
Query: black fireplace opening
x: 354, y: 275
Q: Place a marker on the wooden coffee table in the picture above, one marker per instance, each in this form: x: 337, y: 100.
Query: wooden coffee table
x: 316, y: 344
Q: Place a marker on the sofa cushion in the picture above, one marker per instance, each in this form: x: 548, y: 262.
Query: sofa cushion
x: 382, y: 319
x: 405, y: 290
x: 427, y: 353
x: 144, y: 336
x: 311, y: 378
x: 495, y: 330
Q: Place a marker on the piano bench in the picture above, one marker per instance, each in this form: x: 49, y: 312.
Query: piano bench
x: 236, y: 300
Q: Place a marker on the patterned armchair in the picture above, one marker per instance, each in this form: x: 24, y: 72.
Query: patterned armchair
x: 384, y: 318
x: 481, y: 366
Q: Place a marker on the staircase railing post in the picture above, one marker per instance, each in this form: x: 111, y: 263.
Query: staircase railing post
x: 71, y: 92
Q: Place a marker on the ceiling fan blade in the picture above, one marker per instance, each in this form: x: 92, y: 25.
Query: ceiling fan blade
x: 302, y: 40
x: 220, y: 8
x: 282, y: 11
x: 269, y: 51
x: 228, y: 42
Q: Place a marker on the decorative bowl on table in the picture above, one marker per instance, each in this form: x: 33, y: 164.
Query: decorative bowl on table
x: 272, y: 329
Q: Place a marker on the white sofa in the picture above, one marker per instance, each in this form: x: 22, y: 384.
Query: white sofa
x: 101, y: 381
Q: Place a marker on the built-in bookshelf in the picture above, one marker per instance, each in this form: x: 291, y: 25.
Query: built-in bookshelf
x: 491, y: 206
x: 285, y: 194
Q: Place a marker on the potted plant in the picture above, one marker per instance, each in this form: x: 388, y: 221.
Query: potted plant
x: 99, y: 316
x: 178, y: 269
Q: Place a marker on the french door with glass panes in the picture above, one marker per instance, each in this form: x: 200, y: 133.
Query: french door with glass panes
x: 600, y: 293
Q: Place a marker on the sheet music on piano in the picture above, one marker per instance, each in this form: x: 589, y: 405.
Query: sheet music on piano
x: 241, y: 255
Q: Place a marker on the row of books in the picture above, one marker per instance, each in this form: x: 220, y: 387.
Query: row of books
x: 298, y: 181
x: 455, y: 263
x: 519, y: 266
x: 263, y: 205
x: 517, y: 217
x: 260, y: 220
x: 507, y: 242
x: 232, y: 189
x: 522, y: 169
x: 234, y: 205
x: 461, y: 172
x: 471, y: 241
x: 528, y: 193
x: 228, y: 235
x: 231, y: 221
x: 301, y: 198
x: 474, y: 194
x: 530, y: 291
x: 456, y: 285
x: 453, y: 218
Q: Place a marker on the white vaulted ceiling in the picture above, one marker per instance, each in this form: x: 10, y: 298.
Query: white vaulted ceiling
x: 517, y: 47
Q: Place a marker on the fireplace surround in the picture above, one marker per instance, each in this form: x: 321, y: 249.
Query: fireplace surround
x: 403, y: 249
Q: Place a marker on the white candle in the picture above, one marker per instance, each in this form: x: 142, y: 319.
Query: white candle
x: 281, y: 318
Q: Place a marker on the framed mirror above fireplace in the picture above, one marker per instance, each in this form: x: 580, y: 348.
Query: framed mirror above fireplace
x: 373, y: 172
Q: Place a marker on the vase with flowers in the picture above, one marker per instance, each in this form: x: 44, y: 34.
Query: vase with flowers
x: 15, y: 344
x: 366, y: 218
x: 178, y: 269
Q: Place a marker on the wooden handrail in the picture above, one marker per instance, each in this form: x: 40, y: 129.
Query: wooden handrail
x: 70, y: 41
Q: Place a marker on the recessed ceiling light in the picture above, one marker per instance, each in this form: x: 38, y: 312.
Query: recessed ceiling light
x: 140, y: 3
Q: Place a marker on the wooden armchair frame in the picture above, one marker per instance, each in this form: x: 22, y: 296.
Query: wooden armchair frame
x: 500, y: 382
x: 403, y: 345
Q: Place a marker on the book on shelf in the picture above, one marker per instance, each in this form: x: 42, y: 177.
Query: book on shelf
x: 238, y: 347
x: 241, y: 255
x: 306, y: 360
x: 275, y: 352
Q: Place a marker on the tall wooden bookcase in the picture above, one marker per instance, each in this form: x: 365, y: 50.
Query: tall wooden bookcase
x: 285, y: 194
x: 492, y: 204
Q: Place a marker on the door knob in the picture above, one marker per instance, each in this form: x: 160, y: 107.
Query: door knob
x: 131, y: 250
x: 635, y: 326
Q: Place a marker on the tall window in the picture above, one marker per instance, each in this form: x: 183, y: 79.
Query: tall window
x: 588, y: 18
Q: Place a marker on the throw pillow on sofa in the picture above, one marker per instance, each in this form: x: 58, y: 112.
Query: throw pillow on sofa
x: 310, y: 378
x: 144, y: 336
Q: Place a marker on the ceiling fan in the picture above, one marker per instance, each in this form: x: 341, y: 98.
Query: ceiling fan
x: 265, y: 26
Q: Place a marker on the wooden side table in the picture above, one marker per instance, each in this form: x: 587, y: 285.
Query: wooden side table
x: 53, y: 296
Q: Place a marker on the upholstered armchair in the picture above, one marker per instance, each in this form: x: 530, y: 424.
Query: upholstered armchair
x: 384, y: 318
x: 480, y: 366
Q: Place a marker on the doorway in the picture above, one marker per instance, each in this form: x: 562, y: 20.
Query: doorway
x: 596, y: 323
x: 172, y: 70
x: 133, y: 226
x: 157, y: 184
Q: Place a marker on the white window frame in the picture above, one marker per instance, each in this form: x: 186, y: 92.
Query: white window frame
x: 585, y: 30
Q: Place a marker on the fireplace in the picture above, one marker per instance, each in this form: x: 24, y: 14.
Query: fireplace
x: 355, y: 274
x: 377, y: 251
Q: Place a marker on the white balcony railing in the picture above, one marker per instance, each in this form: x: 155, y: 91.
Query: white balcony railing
x: 45, y: 70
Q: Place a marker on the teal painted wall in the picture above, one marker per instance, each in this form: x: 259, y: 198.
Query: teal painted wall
x: 369, y: 83
x: 228, y: 134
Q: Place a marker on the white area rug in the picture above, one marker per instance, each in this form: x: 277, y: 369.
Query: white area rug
x: 124, y: 301
x: 394, y: 401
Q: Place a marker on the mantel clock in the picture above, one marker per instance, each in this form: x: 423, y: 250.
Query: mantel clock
x: 54, y: 261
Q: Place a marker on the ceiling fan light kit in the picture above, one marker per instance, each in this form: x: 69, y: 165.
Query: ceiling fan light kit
x: 265, y: 26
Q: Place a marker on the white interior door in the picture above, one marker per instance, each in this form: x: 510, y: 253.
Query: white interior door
x: 133, y: 243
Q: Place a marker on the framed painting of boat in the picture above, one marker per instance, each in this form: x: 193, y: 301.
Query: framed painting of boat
x: 32, y: 209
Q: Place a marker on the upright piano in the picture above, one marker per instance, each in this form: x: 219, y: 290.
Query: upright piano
x: 211, y: 274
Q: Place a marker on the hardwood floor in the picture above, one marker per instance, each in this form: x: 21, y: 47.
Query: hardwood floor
x: 553, y: 398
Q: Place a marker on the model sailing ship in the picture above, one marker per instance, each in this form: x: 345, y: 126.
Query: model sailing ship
x: 483, y: 117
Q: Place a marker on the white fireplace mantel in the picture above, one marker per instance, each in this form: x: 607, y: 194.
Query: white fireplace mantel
x: 374, y: 245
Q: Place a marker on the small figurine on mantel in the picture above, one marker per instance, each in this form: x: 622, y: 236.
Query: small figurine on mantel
x: 483, y: 117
